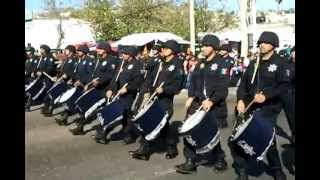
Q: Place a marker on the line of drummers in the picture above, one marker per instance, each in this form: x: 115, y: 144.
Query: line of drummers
x: 112, y: 90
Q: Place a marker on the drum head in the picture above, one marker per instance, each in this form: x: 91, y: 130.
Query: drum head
x: 31, y: 84
x: 65, y: 96
x: 145, y: 108
x: 240, y: 128
x: 192, y: 121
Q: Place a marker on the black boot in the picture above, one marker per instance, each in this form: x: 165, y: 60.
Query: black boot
x: 78, y: 130
x: 63, y: 120
x: 242, y: 175
x: 188, y: 167
x: 48, y: 112
x: 129, y: 139
x: 220, y: 165
x: 279, y: 175
x: 44, y: 109
x: 172, y: 152
x: 100, y: 135
x: 143, y: 153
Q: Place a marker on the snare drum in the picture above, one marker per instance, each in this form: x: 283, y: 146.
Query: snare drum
x: 150, y: 120
x: 69, y: 94
x: 254, y: 135
x: 89, y: 101
x: 200, y: 131
x: 111, y: 113
x: 57, y: 89
x: 36, y: 88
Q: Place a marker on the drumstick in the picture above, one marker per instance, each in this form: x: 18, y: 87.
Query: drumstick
x: 155, y: 79
x: 120, y: 70
x: 256, y: 67
x: 118, y: 94
x: 48, y: 76
x: 155, y: 93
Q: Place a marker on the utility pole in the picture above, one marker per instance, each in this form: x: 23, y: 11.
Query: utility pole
x: 243, y: 27
x: 192, y: 26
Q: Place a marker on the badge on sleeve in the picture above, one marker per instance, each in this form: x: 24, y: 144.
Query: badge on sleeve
x: 51, y: 59
x: 36, y: 61
x: 224, y: 71
x: 272, y: 68
x: 104, y: 63
x: 90, y: 63
x: 171, y: 68
x: 214, y: 67
x: 201, y: 65
x: 130, y: 66
x: 70, y: 60
x: 113, y: 66
x: 84, y: 62
x: 288, y: 72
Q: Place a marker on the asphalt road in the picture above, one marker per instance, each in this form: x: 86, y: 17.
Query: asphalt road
x: 53, y: 153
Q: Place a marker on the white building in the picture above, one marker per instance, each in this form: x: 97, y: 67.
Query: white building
x: 45, y: 31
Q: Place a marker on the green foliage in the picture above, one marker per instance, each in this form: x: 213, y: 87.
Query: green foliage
x: 111, y: 22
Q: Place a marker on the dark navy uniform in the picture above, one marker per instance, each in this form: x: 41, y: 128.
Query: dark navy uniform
x: 69, y: 68
x: 30, y: 66
x: 209, y: 80
x: 288, y: 98
x: 84, y: 70
x: 171, y: 75
x: 132, y: 74
x: 272, y: 80
x: 105, y: 70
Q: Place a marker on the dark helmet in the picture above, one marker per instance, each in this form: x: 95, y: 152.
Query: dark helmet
x: 132, y: 51
x: 269, y: 37
x: 71, y: 48
x: 211, y: 40
x: 173, y: 45
x: 226, y: 47
x: 46, y: 48
x: 83, y: 48
x: 30, y: 49
x: 103, y: 45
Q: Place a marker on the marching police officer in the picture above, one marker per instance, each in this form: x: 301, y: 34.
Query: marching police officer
x: 170, y: 73
x: 44, y: 65
x: 103, y: 73
x: 130, y: 73
x: 67, y: 73
x: 288, y: 97
x: 225, y: 49
x: 84, y: 69
x: 264, y: 89
x: 208, y: 87
x: 30, y: 63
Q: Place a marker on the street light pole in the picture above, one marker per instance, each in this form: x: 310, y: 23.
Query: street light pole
x: 192, y: 26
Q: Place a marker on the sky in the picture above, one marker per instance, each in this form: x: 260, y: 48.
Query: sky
x: 230, y: 5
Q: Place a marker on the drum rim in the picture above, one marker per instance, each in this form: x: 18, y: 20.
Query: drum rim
x: 201, y: 112
x: 260, y: 158
x: 155, y: 132
x: 211, y: 145
x: 40, y: 91
x: 241, y: 128
x: 31, y: 84
x: 72, y: 89
x: 94, y: 107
